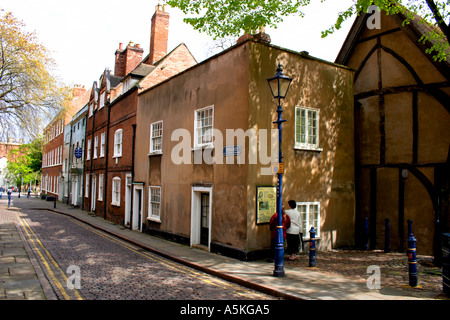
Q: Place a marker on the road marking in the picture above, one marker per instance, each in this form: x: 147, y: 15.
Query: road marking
x: 30, y: 233
x: 172, y: 265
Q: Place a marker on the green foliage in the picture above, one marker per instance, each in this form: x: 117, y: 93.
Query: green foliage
x: 221, y: 18
x: 25, y: 162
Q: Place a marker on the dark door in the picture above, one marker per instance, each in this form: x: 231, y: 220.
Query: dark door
x: 140, y: 208
x: 204, y: 218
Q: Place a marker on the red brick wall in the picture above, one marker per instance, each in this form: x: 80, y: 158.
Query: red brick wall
x: 5, y: 148
x: 159, y: 35
x: 128, y: 59
x: 123, y: 116
x: 177, y: 61
x: 52, y: 170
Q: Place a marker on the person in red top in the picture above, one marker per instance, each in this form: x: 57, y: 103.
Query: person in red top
x: 286, y: 224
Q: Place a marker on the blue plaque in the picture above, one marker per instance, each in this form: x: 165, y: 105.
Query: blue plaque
x: 78, y: 153
x: 232, y: 151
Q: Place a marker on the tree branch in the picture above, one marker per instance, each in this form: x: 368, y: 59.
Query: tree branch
x: 438, y: 17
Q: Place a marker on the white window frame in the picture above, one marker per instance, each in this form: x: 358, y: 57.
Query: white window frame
x: 197, y: 128
x: 102, y: 145
x: 101, y: 104
x: 118, y: 153
x: 153, y: 138
x: 86, y: 190
x: 305, y: 218
x: 307, y: 145
x: 100, y: 186
x: 88, y: 153
x: 116, y: 191
x: 91, y: 110
x: 152, y: 214
x: 95, y: 147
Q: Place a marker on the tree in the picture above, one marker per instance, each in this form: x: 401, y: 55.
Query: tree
x: 25, y: 162
x: 29, y: 93
x: 220, y: 18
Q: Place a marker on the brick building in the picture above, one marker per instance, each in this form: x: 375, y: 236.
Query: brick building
x: 112, y: 118
x: 5, y: 148
x: 53, y: 144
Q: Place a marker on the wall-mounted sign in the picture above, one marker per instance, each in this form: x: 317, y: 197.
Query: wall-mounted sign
x: 278, y: 168
x: 231, y: 151
x: 266, y: 203
x: 78, y: 153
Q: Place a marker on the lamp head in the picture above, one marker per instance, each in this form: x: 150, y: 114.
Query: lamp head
x: 279, y: 84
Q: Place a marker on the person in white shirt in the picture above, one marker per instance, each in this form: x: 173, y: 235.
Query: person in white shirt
x: 293, y: 233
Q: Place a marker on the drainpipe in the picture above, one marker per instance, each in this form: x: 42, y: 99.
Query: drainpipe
x: 132, y: 175
x: 69, y: 165
x: 91, y: 156
x: 105, y: 177
x: 82, y: 185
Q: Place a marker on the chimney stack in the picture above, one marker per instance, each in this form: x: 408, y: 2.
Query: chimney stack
x: 159, y: 34
x: 262, y: 36
x: 127, y: 59
x: 78, y: 90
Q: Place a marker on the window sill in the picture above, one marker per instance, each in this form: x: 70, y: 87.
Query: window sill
x: 203, y: 147
x: 307, y: 148
x: 115, y: 204
x: 155, y: 153
x: 154, y: 219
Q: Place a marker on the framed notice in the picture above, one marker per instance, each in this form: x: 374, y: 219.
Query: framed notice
x: 266, y: 203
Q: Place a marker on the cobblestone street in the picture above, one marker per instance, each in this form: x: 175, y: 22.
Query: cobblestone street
x: 393, y: 266
x: 116, y: 264
x: 111, y: 269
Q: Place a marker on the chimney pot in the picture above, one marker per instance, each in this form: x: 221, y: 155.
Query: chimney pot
x: 121, y: 46
x: 127, y: 59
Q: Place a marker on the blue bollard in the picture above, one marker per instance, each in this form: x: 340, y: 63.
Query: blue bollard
x: 387, y: 248
x: 412, y: 260
x: 312, y: 248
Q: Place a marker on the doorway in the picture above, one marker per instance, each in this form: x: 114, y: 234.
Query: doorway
x: 204, y: 219
x: 128, y: 191
x: 136, y: 223
x: 201, y: 209
x: 74, y: 190
x: 94, y: 193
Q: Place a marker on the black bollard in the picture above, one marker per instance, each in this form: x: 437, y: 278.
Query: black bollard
x: 387, y: 248
x: 366, y: 233
x: 412, y: 260
x: 446, y: 263
x: 54, y: 203
x: 312, y: 248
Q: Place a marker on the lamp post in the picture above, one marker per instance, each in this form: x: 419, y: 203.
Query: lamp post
x: 279, y: 86
x: 21, y: 181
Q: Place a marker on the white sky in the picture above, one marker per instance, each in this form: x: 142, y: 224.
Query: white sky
x: 83, y: 35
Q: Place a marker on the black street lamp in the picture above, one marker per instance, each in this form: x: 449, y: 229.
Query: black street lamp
x: 279, y: 85
x: 20, y: 186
